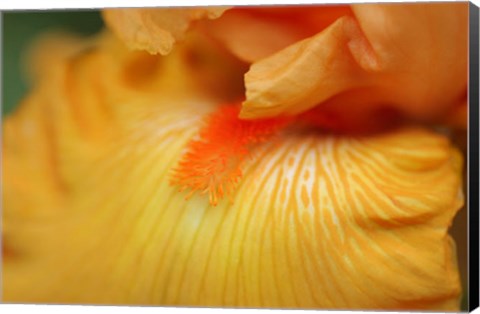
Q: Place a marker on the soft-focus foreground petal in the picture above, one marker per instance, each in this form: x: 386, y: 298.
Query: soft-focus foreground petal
x: 156, y: 30
x: 409, y: 56
x: 319, y: 221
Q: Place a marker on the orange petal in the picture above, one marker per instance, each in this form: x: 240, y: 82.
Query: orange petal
x: 156, y: 30
x: 458, y: 116
x: 308, y: 72
x: 253, y: 33
x: 384, y: 56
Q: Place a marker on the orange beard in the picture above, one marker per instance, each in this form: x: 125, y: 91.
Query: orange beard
x: 213, y: 162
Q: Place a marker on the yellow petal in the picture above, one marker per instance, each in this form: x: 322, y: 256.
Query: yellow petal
x: 156, y: 30
x: 409, y: 56
x: 318, y: 221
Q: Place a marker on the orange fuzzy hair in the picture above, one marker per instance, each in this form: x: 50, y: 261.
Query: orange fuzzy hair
x: 213, y: 163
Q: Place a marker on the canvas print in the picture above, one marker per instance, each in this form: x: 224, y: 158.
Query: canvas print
x: 295, y: 157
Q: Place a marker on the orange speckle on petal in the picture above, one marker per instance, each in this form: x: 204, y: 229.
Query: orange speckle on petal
x: 213, y: 163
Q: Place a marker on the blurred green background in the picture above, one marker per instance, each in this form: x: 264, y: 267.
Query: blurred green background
x: 19, y: 28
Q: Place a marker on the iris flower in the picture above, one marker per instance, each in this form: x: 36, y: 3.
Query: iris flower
x: 241, y: 157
